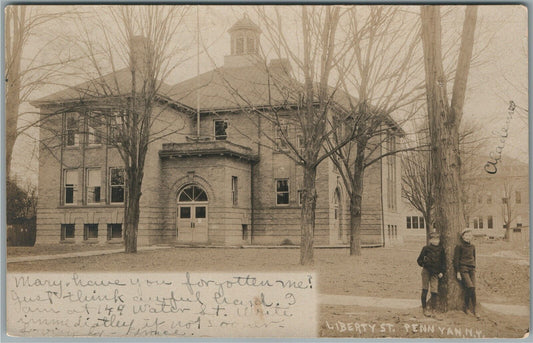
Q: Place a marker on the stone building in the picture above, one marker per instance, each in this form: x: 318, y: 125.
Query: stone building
x: 225, y: 179
x: 490, y: 199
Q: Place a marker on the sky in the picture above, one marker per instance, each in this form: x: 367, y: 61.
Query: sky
x: 498, y: 75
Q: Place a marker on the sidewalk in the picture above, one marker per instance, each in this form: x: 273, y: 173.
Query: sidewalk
x: 77, y: 254
x: 395, y: 303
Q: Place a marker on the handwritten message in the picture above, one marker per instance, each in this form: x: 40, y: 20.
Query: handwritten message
x: 184, y: 304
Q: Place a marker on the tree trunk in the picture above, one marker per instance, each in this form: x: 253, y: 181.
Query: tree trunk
x: 356, y: 197
x: 507, y: 235
x: 15, y: 21
x: 355, y: 225
x: 132, y: 212
x: 427, y: 218
x: 307, y: 219
x: 444, y: 132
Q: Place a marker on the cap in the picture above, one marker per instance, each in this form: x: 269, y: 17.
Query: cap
x: 465, y: 231
x: 434, y: 234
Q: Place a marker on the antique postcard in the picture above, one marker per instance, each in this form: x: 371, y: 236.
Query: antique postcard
x: 303, y: 171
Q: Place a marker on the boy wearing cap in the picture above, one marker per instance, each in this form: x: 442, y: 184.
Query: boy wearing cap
x: 433, y: 263
x: 464, y: 262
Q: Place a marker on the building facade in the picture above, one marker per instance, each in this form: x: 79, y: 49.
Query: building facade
x: 220, y: 174
x: 490, y: 201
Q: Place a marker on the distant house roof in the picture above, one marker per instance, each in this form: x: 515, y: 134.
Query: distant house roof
x: 116, y: 83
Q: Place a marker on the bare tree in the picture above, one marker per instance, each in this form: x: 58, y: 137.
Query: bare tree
x: 306, y: 91
x: 130, y: 101
x: 381, y: 72
x: 23, y: 75
x: 417, y: 183
x: 509, y: 212
x: 444, y: 121
x: 417, y: 186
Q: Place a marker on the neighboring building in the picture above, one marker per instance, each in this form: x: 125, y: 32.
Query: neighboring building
x: 489, y: 200
x: 218, y: 181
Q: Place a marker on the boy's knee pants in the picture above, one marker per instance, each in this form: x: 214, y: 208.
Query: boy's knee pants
x: 430, y: 280
x: 468, y: 277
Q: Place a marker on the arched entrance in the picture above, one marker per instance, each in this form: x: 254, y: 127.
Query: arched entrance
x: 191, y: 215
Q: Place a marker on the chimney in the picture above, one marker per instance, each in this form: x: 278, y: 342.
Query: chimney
x: 141, y: 54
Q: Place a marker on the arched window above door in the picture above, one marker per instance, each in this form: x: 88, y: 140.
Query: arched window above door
x: 192, y: 193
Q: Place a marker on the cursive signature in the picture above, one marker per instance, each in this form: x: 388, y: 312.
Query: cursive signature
x: 495, y: 156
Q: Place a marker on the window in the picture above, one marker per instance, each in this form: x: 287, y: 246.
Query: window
x: 67, y: 231
x: 504, y: 200
x: 93, y: 186
x: 300, y: 144
x: 185, y: 212
x: 117, y: 185
x: 518, y: 197
x: 391, y: 174
x: 481, y: 222
x: 244, y: 231
x: 475, y: 223
x: 489, y: 198
x: 90, y: 231
x: 114, y: 231
x: 192, y: 193
x: 115, y: 125
x: 421, y: 220
x: 94, y: 128
x: 239, y: 46
x: 282, y: 192
x: 71, y: 185
x: 300, y: 197
x: 200, y: 212
x: 467, y: 220
x: 409, y: 223
x: 72, y: 137
x: 282, y: 135
x: 490, y: 224
x: 220, y: 130
x: 479, y: 199
x: 234, y: 190
x: 415, y: 222
x: 250, y: 46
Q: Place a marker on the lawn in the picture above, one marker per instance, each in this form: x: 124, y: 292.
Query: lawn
x: 503, y: 277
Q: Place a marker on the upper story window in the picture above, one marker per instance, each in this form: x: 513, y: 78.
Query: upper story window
x: 93, y: 186
x: 116, y: 122
x: 239, y: 45
x: 282, y: 191
x: 221, y: 127
x: 95, y: 128
x: 250, y: 45
x: 70, y: 186
x: 72, y: 134
x: 489, y: 198
x: 234, y: 190
x: 518, y: 197
x: 282, y: 135
x: 117, y: 185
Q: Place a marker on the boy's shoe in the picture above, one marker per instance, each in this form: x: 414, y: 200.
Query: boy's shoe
x: 426, y: 312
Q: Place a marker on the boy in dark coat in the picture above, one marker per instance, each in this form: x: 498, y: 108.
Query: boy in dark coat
x: 464, y: 263
x: 433, y: 263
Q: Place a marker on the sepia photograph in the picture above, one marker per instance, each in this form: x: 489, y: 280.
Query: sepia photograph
x: 266, y: 171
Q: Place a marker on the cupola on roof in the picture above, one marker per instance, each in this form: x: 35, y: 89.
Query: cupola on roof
x: 245, y: 23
